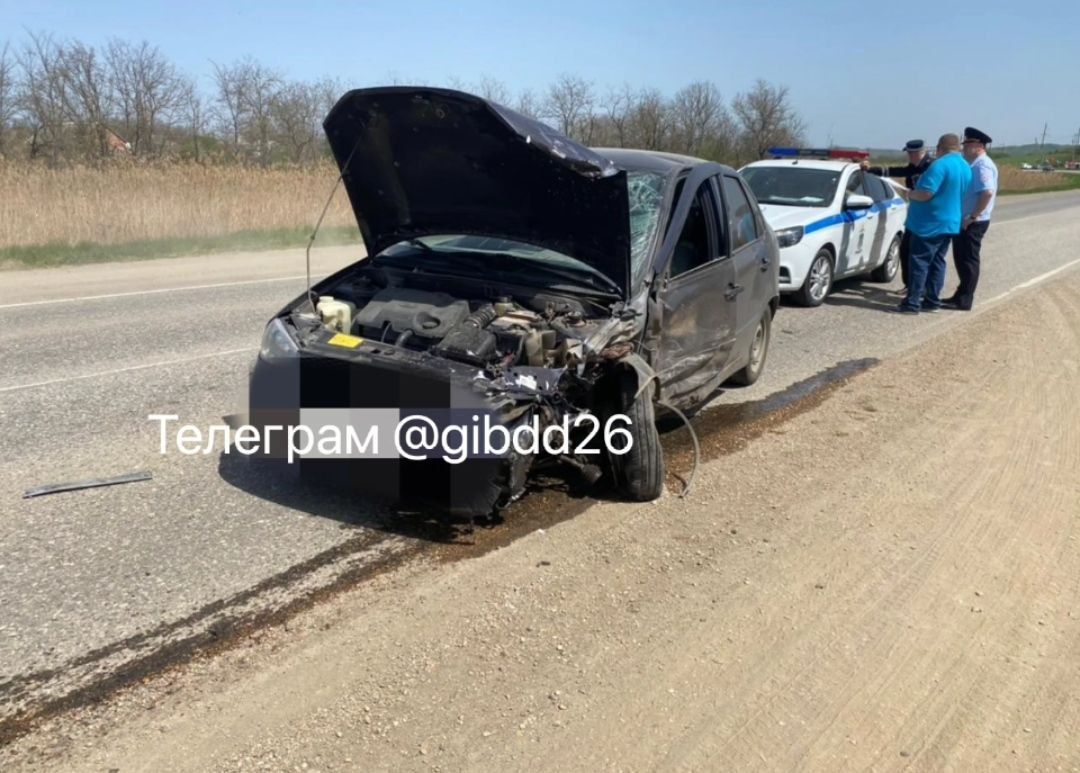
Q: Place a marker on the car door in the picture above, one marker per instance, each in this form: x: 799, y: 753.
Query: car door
x: 855, y: 252
x: 750, y: 258
x: 879, y: 226
x: 695, y: 300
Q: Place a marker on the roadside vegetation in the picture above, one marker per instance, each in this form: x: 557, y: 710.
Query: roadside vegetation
x: 113, y: 152
x: 1012, y: 179
x: 122, y: 210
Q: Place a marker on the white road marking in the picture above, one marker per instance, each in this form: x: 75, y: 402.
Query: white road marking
x: 1033, y: 281
x: 152, y: 292
x: 1022, y: 286
x: 179, y: 361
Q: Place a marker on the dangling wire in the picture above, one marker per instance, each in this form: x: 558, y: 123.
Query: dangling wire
x: 697, y: 448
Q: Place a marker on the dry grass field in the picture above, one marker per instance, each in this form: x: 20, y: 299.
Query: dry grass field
x: 1014, y: 180
x: 128, y: 211
x: 133, y: 203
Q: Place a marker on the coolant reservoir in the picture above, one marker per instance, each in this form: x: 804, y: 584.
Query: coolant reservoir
x: 335, y: 314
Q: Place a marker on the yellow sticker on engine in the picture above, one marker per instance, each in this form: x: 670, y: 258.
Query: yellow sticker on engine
x: 348, y: 341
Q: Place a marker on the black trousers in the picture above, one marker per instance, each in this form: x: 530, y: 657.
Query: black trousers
x: 966, y: 247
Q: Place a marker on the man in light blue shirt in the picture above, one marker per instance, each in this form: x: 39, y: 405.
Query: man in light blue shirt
x: 935, y: 213
x: 978, y: 204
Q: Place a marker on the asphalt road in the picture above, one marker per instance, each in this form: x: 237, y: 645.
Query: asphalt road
x: 92, y: 580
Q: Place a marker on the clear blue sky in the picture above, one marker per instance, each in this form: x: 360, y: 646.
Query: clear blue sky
x: 867, y: 73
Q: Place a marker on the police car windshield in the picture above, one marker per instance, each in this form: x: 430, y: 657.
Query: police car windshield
x: 792, y: 186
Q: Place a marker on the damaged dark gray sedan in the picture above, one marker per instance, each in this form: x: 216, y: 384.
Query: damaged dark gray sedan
x: 515, y: 274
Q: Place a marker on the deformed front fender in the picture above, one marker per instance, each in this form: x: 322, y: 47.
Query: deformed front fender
x: 637, y: 368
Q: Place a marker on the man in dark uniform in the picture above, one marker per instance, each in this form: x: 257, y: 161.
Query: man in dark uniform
x: 978, y: 205
x: 918, y: 161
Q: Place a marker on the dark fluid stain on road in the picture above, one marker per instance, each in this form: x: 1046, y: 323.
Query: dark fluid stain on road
x: 721, y: 430
x: 727, y: 428
x: 553, y: 497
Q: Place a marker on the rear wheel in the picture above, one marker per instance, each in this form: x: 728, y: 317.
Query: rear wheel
x: 759, y: 349
x: 639, y: 473
x: 818, y: 280
x: 886, y: 272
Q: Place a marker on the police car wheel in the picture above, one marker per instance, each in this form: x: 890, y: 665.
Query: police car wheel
x: 759, y: 349
x: 818, y: 280
x: 886, y: 272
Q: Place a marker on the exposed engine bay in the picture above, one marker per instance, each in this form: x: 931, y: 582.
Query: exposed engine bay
x: 493, y: 332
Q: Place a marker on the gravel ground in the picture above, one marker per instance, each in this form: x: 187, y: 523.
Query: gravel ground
x: 887, y: 580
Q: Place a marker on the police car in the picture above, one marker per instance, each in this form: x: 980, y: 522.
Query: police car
x: 831, y: 219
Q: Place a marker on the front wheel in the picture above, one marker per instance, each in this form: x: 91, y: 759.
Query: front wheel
x: 639, y: 473
x: 818, y: 280
x: 886, y: 272
x: 759, y: 348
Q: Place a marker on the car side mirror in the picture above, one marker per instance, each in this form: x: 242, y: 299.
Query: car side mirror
x: 858, y: 201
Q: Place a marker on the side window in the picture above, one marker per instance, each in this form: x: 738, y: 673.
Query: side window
x: 694, y: 247
x: 878, y: 189
x: 855, y: 185
x: 742, y: 223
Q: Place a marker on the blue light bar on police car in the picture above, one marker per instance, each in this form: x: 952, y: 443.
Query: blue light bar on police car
x: 817, y: 153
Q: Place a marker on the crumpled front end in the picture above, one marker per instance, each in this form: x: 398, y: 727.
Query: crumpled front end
x: 374, y: 408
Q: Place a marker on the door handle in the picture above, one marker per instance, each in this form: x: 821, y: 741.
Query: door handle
x: 765, y: 263
x: 733, y: 290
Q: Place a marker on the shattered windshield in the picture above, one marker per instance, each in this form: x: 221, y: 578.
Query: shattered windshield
x: 646, y: 193
x: 792, y: 186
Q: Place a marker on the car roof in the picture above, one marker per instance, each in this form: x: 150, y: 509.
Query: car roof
x: 632, y: 160
x: 805, y: 163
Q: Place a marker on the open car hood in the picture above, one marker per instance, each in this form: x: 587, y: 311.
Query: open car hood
x: 424, y: 161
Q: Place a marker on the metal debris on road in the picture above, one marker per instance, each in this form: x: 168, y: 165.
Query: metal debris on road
x: 55, y: 488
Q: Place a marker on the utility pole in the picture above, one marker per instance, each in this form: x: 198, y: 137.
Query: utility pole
x: 1045, y: 127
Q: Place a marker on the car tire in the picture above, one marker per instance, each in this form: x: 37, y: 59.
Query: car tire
x: 759, y: 350
x: 639, y: 473
x: 886, y: 272
x: 818, y: 280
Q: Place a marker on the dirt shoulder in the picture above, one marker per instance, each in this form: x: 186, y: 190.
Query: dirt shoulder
x: 889, y: 579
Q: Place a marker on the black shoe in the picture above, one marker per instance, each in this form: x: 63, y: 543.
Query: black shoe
x: 930, y: 309
x: 903, y: 310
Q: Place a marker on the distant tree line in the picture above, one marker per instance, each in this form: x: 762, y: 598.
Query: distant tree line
x: 62, y: 102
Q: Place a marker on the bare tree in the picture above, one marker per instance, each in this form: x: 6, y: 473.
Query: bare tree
x: 71, y: 98
x: 90, y: 101
x: 569, y: 103
x: 493, y: 90
x: 328, y: 91
x: 7, y: 95
x: 43, y: 98
x: 649, y: 120
x: 618, y: 109
x: 528, y: 104
x: 230, y: 106
x: 148, y: 89
x: 700, y: 121
x: 193, y: 109
x: 295, y: 110
x: 766, y: 119
x: 259, y: 86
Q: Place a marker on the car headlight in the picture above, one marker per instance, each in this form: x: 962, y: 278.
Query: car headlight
x: 788, y: 237
x: 277, y: 343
